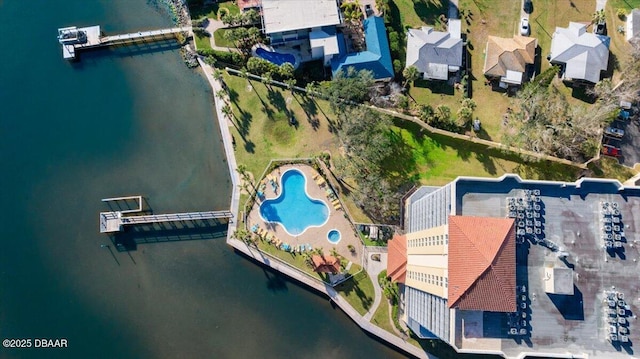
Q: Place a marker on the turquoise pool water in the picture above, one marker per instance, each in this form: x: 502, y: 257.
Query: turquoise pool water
x: 294, y: 209
x: 334, y: 236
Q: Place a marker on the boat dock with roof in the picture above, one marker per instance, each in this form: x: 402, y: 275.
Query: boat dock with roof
x: 74, y: 38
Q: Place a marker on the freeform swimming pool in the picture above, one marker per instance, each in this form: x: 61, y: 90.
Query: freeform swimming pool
x: 334, y: 236
x: 294, y: 209
x: 275, y: 57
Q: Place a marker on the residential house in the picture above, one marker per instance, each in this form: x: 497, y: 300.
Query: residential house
x: 583, y: 55
x: 508, y: 59
x: 310, y: 26
x: 510, y: 266
x: 435, y: 54
x: 633, y: 25
x: 376, y: 57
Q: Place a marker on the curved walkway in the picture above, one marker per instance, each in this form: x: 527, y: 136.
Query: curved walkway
x: 212, y: 26
x: 280, y: 266
x: 373, y: 269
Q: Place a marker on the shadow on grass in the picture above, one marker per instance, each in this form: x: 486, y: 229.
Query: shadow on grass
x: 547, y: 170
x: 276, y: 99
x: 401, y: 163
x: 581, y: 92
x: 429, y: 11
x: 203, y: 10
x: 310, y: 110
x: 436, y: 87
x: 353, y: 285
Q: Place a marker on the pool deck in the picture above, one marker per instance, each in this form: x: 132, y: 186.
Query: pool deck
x: 316, y: 236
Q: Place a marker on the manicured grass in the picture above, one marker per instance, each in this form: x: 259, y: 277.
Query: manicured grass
x: 381, y: 317
x: 261, y: 124
x: 218, y: 37
x: 416, y: 13
x: 435, y: 93
x: 295, y: 260
x: 203, y: 42
x: 549, y: 14
x: 619, y: 46
x: 436, y: 159
x: 608, y: 167
x: 487, y: 17
x: 358, y: 291
x: 212, y: 11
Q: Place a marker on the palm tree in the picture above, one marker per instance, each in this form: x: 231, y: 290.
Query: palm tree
x: 598, y: 17
x: 246, y: 175
x: 382, y: 6
x: 227, y: 111
x: 290, y: 84
x: 222, y: 94
x: 410, y: 74
x: 217, y: 74
x: 267, y: 77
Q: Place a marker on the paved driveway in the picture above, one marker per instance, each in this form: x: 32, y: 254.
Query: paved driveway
x: 630, y: 143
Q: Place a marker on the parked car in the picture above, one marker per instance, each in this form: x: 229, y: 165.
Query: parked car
x: 612, y: 131
x: 524, y: 27
x: 610, y: 151
x: 528, y: 6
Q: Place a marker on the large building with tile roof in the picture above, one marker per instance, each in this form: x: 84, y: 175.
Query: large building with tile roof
x: 522, y: 268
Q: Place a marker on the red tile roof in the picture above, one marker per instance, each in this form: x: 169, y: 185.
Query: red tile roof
x: 482, y: 264
x: 326, y: 264
x: 397, y: 258
x: 248, y: 4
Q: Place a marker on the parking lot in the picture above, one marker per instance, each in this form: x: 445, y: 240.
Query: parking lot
x: 629, y: 144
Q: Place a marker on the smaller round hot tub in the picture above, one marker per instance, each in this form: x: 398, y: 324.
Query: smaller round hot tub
x: 333, y: 236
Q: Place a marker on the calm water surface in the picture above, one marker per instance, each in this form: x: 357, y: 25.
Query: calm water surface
x: 126, y: 122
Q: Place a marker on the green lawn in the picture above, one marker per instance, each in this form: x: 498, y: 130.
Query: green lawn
x: 435, y: 93
x: 381, y: 317
x: 218, y: 37
x: 610, y: 168
x: 358, y: 291
x: 436, y: 159
x: 261, y: 124
x: 212, y: 10
x: 619, y: 46
x: 549, y: 14
x: 203, y: 42
x: 416, y: 13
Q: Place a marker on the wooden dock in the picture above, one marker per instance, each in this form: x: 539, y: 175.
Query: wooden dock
x: 73, y: 38
x: 114, y: 221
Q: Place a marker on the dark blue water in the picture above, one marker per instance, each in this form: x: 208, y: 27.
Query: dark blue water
x: 128, y: 122
x: 275, y: 57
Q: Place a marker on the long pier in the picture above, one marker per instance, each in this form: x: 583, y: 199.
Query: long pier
x: 73, y: 38
x: 114, y: 221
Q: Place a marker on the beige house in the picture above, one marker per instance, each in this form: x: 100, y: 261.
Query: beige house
x: 507, y: 59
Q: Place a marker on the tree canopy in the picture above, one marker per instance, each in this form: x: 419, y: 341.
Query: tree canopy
x: 352, y: 86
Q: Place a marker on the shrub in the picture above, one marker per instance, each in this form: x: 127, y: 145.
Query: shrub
x: 229, y: 58
x: 622, y: 14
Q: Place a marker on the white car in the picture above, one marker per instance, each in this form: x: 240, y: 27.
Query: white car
x: 612, y: 131
x: 524, y: 27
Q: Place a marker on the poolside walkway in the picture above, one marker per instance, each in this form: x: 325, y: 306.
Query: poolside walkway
x: 315, y: 236
x: 374, y: 268
x: 333, y: 296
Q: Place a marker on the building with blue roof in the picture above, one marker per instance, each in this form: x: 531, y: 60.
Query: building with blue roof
x: 376, y: 58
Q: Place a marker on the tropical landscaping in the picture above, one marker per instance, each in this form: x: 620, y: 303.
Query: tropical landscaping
x: 374, y: 158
